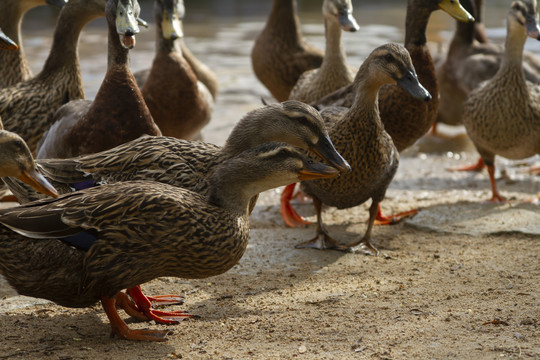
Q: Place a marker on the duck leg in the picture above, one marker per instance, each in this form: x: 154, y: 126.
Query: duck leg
x: 364, y: 244
x: 120, y: 328
x: 382, y: 219
x: 289, y: 215
x: 323, y: 240
x: 495, y: 195
x: 143, y: 305
x: 479, y: 166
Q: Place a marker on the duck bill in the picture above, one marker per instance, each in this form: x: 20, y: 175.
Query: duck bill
x: 533, y: 29
x: 126, y: 24
x: 6, y: 43
x: 326, y: 151
x: 171, y: 25
x: 142, y: 22
x: 57, y: 3
x: 38, y: 182
x: 347, y: 21
x: 409, y: 82
x: 317, y: 171
x: 455, y: 10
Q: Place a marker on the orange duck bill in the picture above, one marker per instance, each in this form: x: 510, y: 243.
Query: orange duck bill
x: 38, y: 182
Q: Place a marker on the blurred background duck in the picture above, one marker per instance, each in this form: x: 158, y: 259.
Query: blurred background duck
x: 14, y: 67
x: 118, y: 113
x: 89, y: 245
x: 404, y: 118
x: 468, y: 63
x: 27, y: 107
x: 360, y: 137
x: 334, y: 72
x: 502, y: 116
x: 180, y: 104
x: 280, y: 53
x: 187, y: 164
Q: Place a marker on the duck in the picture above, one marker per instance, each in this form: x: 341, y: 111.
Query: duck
x: 280, y: 53
x: 360, y: 137
x: 468, y: 63
x: 404, y: 118
x: 118, y: 113
x: 185, y: 163
x: 15, y: 67
x: 180, y: 104
x: 87, y: 246
x: 27, y: 107
x: 502, y: 115
x: 17, y: 161
x: 334, y: 72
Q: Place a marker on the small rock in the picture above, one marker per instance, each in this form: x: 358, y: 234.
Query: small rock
x: 519, y: 336
x: 302, y: 349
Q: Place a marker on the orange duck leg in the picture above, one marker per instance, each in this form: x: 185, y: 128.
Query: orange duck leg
x: 289, y: 215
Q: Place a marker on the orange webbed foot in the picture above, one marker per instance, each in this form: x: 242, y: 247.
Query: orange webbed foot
x: 382, y: 219
x: 479, y: 166
x: 288, y: 213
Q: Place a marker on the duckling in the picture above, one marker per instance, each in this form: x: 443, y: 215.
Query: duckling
x: 138, y: 231
x: 334, y: 72
x: 280, y: 53
x: 502, y: 115
x: 15, y: 68
x: 360, y: 136
x: 468, y: 63
x: 406, y: 119
x: 27, y: 107
x: 6, y: 43
x: 187, y: 164
x: 118, y: 113
x: 17, y: 161
x: 180, y: 104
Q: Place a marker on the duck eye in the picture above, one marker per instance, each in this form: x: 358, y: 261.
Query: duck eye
x: 389, y: 57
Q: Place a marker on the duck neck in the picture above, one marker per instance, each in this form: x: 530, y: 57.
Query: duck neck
x: 117, y: 55
x: 334, y: 55
x: 513, y: 50
x: 415, y: 24
x: 365, y: 108
x: 232, y: 188
x: 284, y: 21
x: 64, y: 50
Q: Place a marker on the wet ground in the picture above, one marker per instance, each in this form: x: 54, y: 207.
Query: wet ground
x: 459, y: 280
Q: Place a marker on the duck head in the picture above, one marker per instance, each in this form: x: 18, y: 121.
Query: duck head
x: 455, y: 10
x: 523, y: 14
x: 342, y: 10
x: 125, y: 14
x: 17, y: 161
x: 170, y: 14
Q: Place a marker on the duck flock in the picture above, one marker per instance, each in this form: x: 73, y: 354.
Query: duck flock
x: 120, y: 190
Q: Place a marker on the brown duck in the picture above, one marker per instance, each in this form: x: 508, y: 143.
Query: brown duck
x: 280, y: 53
x: 27, y: 107
x: 89, y: 245
x: 14, y: 67
x: 502, y: 116
x: 180, y: 104
x: 118, y: 113
x: 360, y: 136
x: 334, y: 72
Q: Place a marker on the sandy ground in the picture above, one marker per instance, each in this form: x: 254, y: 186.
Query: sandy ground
x: 460, y: 280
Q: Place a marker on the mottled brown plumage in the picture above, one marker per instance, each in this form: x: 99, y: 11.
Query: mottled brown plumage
x: 406, y: 119
x: 180, y: 104
x: 359, y: 135
x: 502, y: 116
x: 118, y: 113
x: 280, y: 53
x: 334, y: 72
x: 188, y: 163
x: 27, y: 107
x: 141, y: 231
x: 14, y: 67
x: 468, y: 63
